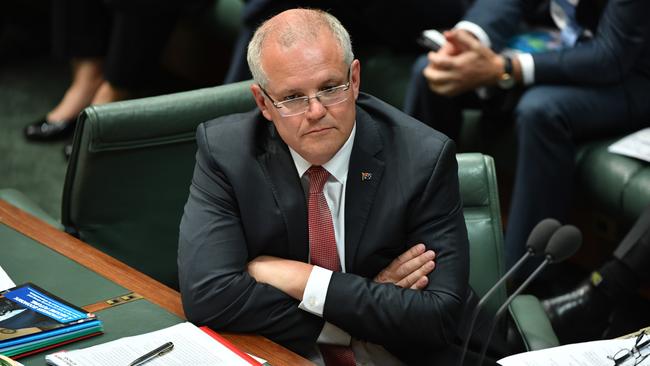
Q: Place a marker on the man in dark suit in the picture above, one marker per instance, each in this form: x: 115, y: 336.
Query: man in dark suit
x: 265, y: 248
x: 595, y: 85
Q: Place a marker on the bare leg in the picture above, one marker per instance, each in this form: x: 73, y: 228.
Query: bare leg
x: 87, y: 77
x: 108, y: 93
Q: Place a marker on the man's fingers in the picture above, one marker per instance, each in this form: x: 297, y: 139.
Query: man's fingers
x: 412, y: 252
x: 412, y: 266
x: 467, y: 40
x: 420, y: 283
x: 405, y: 265
x: 415, y: 276
x: 440, y: 61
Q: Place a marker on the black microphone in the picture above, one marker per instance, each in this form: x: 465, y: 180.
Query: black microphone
x: 563, y: 244
x: 535, y: 245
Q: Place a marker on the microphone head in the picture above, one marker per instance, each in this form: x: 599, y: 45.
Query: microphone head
x: 541, y: 234
x: 564, y: 243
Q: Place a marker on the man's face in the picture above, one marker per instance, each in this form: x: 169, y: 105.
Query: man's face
x: 303, y: 70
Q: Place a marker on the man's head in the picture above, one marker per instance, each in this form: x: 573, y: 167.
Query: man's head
x: 299, y: 53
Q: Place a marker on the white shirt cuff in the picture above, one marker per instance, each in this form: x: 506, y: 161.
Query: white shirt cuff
x: 313, y: 299
x: 475, y: 30
x: 331, y: 334
x: 527, y: 68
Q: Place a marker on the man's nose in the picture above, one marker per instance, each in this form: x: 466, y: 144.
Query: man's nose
x: 316, y: 109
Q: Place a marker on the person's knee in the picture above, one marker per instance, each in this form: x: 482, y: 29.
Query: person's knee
x: 539, y: 111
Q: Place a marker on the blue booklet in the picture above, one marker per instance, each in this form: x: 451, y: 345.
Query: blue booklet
x: 32, y: 319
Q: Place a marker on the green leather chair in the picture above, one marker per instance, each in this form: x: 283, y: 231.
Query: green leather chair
x: 130, y: 172
x: 478, y: 188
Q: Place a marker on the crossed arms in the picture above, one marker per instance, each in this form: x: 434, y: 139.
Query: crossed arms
x: 231, y: 282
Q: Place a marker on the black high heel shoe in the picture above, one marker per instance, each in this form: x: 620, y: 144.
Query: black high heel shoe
x: 42, y: 130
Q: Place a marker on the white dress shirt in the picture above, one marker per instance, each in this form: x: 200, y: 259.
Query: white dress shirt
x: 315, y: 293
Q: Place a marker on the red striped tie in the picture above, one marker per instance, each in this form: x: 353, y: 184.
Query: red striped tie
x: 322, y: 248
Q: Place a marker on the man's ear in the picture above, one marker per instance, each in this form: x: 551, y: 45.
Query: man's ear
x: 355, y: 77
x: 260, y: 100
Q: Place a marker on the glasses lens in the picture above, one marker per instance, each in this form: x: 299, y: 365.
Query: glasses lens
x: 334, y: 95
x: 293, y: 107
x: 328, y: 97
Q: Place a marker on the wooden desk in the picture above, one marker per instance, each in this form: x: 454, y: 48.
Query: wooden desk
x: 131, y: 279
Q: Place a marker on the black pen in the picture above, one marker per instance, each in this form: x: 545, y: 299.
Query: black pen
x: 153, y: 354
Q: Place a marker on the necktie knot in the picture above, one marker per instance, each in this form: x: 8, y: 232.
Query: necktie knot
x: 317, y: 178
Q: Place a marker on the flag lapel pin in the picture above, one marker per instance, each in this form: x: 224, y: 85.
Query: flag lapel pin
x: 366, y: 176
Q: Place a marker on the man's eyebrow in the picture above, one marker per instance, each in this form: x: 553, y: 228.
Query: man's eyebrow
x: 291, y: 91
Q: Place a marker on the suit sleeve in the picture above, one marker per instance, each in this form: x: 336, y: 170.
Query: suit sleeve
x: 622, y: 35
x: 402, y: 319
x: 212, y: 257
x: 500, y: 19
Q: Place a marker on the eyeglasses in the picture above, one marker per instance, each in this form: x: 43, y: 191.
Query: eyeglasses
x: 633, y: 356
x: 299, y: 105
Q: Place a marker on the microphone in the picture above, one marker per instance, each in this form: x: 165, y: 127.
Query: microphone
x: 563, y: 244
x: 535, y: 245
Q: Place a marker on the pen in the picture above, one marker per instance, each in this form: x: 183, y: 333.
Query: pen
x: 153, y: 354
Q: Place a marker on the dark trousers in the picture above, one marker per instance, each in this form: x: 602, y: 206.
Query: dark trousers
x: 549, y: 119
x: 129, y: 36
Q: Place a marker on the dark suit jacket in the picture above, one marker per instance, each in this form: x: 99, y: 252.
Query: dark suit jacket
x: 619, y: 49
x: 246, y: 200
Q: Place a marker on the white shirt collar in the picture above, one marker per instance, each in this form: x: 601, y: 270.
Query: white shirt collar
x: 337, y: 166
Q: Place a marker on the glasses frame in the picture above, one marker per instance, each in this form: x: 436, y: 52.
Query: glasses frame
x: 624, y: 354
x: 317, y: 96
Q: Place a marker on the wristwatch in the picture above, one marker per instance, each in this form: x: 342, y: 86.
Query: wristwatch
x: 507, y: 79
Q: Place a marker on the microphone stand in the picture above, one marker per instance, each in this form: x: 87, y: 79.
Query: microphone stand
x: 505, y: 305
x: 484, y: 299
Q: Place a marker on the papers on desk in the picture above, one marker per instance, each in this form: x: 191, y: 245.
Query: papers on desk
x: 577, y: 354
x: 636, y: 145
x: 192, y: 346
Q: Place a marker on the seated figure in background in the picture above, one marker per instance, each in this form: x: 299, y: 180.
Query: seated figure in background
x: 114, y: 48
x: 596, y: 84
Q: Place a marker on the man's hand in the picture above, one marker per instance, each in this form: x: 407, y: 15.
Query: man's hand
x: 286, y: 275
x: 462, y: 64
x: 410, y: 269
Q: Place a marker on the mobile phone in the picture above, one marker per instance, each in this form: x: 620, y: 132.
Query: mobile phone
x: 431, y: 39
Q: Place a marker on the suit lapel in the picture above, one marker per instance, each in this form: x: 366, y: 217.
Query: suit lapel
x: 280, y: 171
x: 364, y: 175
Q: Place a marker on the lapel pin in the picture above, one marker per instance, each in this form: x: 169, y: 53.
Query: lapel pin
x: 366, y: 176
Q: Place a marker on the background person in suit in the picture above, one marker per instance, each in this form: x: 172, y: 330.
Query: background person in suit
x: 595, y: 85
x: 264, y: 249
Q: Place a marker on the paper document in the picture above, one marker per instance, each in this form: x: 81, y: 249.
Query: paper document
x: 191, y: 347
x: 636, y: 145
x: 5, y: 281
x: 577, y: 354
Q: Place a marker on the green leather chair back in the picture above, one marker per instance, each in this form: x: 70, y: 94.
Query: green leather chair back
x: 130, y: 171
x: 478, y: 189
